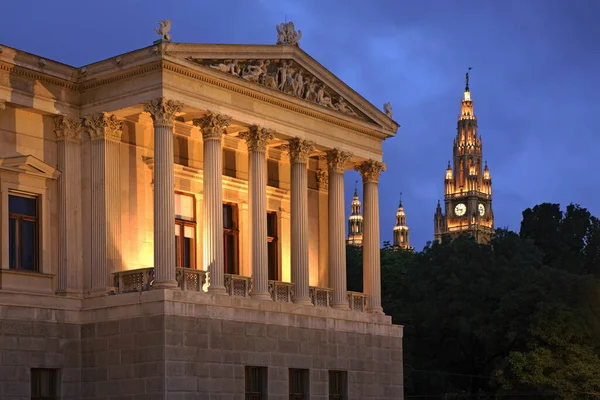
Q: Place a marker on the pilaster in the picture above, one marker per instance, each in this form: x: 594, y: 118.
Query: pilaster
x: 213, y: 126
x: 257, y: 138
x: 163, y: 114
x: 299, y: 151
x: 70, y: 256
x: 336, y: 161
x: 106, y: 253
x: 370, y: 171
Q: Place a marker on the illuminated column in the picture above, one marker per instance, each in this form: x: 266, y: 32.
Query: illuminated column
x: 370, y: 171
x: 213, y: 125
x: 336, y: 160
x: 322, y: 185
x: 163, y: 113
x: 299, y: 151
x: 105, y: 133
x: 70, y: 256
x: 257, y: 139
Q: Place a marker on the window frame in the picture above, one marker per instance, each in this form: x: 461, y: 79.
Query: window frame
x: 182, y: 223
x: 37, y: 383
x: 273, y: 239
x: 235, y: 233
x: 263, y: 383
x: 302, y: 377
x: 343, y: 385
x: 18, y: 237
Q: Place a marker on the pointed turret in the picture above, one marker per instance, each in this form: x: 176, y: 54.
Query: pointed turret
x: 401, y: 234
x: 355, y: 221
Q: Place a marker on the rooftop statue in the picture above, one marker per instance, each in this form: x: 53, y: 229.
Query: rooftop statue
x: 286, y: 33
x: 163, y: 31
x: 387, y: 109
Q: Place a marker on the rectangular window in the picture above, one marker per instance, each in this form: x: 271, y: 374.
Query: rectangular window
x: 256, y: 383
x: 185, y: 231
x: 231, y: 238
x: 299, y: 384
x: 272, y: 246
x: 272, y: 173
x: 338, y: 385
x: 23, y: 231
x: 44, y: 384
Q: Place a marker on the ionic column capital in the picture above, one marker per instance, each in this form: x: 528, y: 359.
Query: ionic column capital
x: 370, y: 170
x: 299, y: 150
x: 337, y: 159
x: 67, y: 128
x: 212, y: 125
x: 103, y: 125
x: 163, y: 111
x: 322, y: 179
x: 257, y: 138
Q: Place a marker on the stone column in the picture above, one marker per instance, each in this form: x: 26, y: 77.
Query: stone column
x: 336, y: 160
x: 70, y: 256
x: 212, y: 126
x: 322, y: 186
x: 105, y: 133
x: 257, y: 139
x: 163, y: 113
x: 370, y: 171
x: 299, y: 151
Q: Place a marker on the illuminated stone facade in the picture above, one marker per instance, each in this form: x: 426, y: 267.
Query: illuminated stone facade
x: 171, y: 229
x: 467, y: 205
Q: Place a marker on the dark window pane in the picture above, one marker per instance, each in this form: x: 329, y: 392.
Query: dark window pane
x: 22, y: 205
x: 227, y: 216
x: 44, y: 384
x: 271, y: 224
x: 187, y: 252
x: 12, y: 242
x: 273, y: 264
x: 230, y: 243
x: 177, y: 251
x: 28, y: 245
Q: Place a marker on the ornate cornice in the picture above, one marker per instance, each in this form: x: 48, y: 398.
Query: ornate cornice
x: 337, y: 159
x: 370, y: 170
x: 299, y: 150
x: 163, y: 111
x: 212, y: 125
x: 322, y: 179
x: 67, y: 128
x: 256, y: 138
x: 102, y: 125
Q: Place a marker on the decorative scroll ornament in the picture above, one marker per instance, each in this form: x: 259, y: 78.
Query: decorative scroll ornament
x: 322, y: 179
x: 387, y: 109
x: 163, y: 31
x: 370, y: 170
x: 336, y: 160
x: 104, y: 126
x: 299, y: 150
x: 212, y: 125
x: 287, y: 77
x: 66, y: 127
x: 163, y: 111
x: 257, y: 138
x: 286, y: 33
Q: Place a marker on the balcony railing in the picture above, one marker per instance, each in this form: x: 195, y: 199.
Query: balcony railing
x: 197, y: 280
x: 281, y: 292
x: 237, y: 285
x: 320, y: 297
x: 357, y: 301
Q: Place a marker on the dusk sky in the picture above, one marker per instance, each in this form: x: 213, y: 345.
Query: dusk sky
x: 535, y: 81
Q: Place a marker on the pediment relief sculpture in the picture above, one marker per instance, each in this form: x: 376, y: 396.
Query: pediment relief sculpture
x: 286, y: 76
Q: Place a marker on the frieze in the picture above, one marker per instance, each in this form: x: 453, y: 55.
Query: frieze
x: 286, y: 76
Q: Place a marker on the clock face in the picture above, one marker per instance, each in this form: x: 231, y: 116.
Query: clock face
x: 481, y: 208
x: 460, y: 209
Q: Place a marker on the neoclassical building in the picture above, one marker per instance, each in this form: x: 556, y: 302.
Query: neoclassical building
x: 172, y: 225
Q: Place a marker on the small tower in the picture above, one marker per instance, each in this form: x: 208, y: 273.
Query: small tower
x: 401, y: 236
x: 355, y: 221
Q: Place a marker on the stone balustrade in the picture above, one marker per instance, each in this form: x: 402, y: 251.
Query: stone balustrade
x: 197, y: 280
x: 281, y: 292
x: 320, y: 297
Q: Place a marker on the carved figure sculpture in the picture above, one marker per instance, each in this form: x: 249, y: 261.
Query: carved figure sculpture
x: 387, y: 109
x: 344, y: 107
x: 163, y: 31
x: 253, y: 72
x: 323, y: 99
x: 232, y: 67
x: 286, y: 33
x: 310, y: 90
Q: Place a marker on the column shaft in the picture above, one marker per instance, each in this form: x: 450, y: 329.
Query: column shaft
x: 213, y: 215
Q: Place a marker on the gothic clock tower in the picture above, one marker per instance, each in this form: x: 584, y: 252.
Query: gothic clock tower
x: 468, y: 186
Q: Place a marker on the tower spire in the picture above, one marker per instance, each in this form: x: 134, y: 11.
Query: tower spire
x: 467, y: 79
x: 401, y: 233
x: 400, y: 204
x: 356, y: 189
x: 355, y: 221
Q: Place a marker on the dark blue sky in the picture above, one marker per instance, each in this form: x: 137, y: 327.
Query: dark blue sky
x: 535, y: 80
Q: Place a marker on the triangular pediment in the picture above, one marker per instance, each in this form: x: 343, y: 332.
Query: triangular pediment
x: 288, y: 71
x: 30, y: 165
